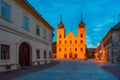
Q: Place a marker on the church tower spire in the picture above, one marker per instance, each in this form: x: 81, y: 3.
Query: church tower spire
x: 61, y: 25
x: 81, y: 24
x: 81, y: 17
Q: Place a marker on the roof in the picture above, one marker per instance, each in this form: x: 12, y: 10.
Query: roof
x: 91, y: 49
x: 116, y: 27
x: 61, y: 25
x: 70, y: 35
x: 28, y: 7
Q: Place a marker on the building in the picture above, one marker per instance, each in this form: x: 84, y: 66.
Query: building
x: 54, y: 50
x: 25, y: 37
x: 90, y: 52
x: 109, y: 47
x: 70, y: 46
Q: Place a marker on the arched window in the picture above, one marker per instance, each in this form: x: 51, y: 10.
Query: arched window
x: 81, y: 49
x: 75, y: 41
x: 70, y: 42
x: 59, y: 42
x: 81, y: 35
x: 75, y: 49
x: 65, y: 41
x: 60, y: 36
x: 81, y: 41
x: 59, y: 49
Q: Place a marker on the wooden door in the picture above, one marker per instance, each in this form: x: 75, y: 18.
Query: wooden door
x: 24, y: 55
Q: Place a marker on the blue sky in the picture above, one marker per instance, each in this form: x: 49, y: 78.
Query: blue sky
x: 97, y: 15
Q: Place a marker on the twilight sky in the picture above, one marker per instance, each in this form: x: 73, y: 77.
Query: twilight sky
x: 97, y: 15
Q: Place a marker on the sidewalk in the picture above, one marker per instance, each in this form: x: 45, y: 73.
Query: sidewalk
x: 108, y: 66
x: 23, y: 71
x: 115, y: 70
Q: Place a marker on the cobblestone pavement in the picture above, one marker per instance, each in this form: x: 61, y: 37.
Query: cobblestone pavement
x: 25, y: 70
x: 71, y: 70
x: 115, y: 70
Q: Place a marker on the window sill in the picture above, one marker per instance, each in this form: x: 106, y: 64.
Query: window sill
x: 6, y: 19
x: 25, y: 28
x: 37, y: 35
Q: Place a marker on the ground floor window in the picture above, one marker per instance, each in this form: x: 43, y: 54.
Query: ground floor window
x: 5, y: 51
x: 45, y: 56
x: 50, y: 55
x: 38, y: 54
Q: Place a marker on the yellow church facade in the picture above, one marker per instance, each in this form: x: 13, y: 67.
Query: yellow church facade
x: 70, y: 46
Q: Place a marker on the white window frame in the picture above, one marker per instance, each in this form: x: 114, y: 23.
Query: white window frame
x: 8, y: 53
x: 8, y: 17
x: 24, y: 26
x: 38, y: 57
x: 39, y: 30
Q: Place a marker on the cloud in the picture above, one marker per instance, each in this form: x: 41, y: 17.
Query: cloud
x: 97, y: 15
x: 91, y: 46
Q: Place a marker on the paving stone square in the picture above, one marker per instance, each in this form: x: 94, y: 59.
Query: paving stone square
x: 71, y: 70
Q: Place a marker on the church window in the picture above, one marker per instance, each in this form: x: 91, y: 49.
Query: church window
x: 59, y: 42
x: 59, y: 49
x: 81, y: 35
x: 75, y: 49
x: 65, y: 41
x: 60, y: 36
x: 81, y: 41
x: 81, y: 49
x: 70, y: 41
x: 75, y: 41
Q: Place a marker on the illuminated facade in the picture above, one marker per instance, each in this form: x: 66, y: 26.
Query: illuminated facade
x: 109, y: 47
x: 69, y: 46
x: 25, y: 37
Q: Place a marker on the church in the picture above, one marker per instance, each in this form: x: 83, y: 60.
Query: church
x: 70, y: 46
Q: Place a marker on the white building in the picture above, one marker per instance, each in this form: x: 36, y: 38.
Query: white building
x: 25, y: 37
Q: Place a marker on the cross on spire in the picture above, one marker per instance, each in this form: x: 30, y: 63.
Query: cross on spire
x: 60, y: 18
x: 81, y: 17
